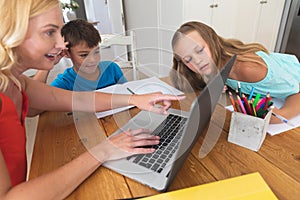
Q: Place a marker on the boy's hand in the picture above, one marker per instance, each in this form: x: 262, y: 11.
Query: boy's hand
x: 61, y: 54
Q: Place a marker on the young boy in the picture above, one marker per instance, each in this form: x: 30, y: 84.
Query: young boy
x: 87, y: 73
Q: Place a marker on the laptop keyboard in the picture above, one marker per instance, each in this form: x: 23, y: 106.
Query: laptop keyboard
x: 170, y: 132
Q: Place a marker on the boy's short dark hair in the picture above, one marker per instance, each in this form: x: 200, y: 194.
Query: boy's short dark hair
x: 79, y: 30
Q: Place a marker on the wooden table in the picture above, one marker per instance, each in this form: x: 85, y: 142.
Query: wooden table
x: 57, y: 142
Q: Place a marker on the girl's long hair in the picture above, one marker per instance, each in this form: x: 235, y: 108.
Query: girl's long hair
x: 221, y: 50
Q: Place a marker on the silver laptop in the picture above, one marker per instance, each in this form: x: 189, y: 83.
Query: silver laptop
x: 178, y: 131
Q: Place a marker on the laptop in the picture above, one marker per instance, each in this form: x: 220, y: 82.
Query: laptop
x: 179, y: 130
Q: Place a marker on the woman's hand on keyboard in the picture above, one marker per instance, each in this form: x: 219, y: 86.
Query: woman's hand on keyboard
x: 125, y: 144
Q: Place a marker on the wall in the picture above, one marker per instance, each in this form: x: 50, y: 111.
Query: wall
x: 97, y: 10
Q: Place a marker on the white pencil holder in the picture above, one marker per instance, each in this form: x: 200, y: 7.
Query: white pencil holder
x: 248, y: 131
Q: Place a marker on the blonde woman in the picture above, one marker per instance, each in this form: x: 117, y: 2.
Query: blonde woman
x: 199, y: 51
x: 30, y: 38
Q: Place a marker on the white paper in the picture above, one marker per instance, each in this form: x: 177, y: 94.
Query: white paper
x: 111, y: 112
x: 274, y: 129
x: 143, y: 86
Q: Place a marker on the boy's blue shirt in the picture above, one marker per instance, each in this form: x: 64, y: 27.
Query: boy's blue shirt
x: 110, y: 74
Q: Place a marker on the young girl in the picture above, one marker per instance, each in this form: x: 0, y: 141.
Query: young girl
x: 30, y: 38
x: 198, y: 49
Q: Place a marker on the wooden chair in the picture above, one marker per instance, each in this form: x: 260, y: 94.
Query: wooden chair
x: 127, y: 59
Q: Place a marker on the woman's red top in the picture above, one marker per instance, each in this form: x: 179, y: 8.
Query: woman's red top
x: 13, y: 138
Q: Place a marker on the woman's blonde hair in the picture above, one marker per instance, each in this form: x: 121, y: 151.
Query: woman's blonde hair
x: 14, y: 19
x: 221, y: 49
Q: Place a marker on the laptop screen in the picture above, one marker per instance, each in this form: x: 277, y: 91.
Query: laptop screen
x: 201, y: 111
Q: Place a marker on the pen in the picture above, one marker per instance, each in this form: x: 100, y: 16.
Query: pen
x: 130, y: 90
x: 284, y: 120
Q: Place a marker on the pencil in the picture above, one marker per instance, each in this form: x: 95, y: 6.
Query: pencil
x: 253, y: 108
x: 260, y: 103
x: 241, y: 105
x: 251, y: 93
x: 256, y: 100
x: 246, y: 104
x: 130, y: 90
x: 232, y: 101
x: 238, y: 107
x: 268, y: 99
